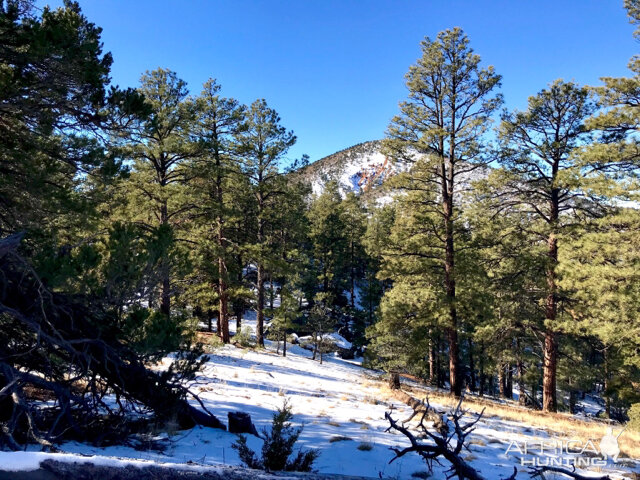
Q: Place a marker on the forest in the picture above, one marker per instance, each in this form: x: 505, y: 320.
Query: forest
x: 141, y: 222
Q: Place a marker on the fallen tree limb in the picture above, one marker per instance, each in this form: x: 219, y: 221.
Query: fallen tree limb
x: 535, y: 472
x: 64, y: 345
x: 449, y: 446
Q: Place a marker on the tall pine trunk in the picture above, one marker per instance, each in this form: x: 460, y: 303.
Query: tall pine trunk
x: 481, y: 368
x: 432, y: 361
x: 450, y: 283
x: 549, y: 401
x: 260, y: 274
x: 223, y: 307
x: 165, y: 296
x: 472, y: 367
x: 284, y: 343
x: 260, y: 309
x: 520, y: 372
x: 224, y: 303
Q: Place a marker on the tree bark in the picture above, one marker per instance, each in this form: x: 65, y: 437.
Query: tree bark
x: 607, y: 398
x: 482, y: 376
x: 432, y: 362
x: 260, y: 309
x: 223, y: 306
x: 165, y: 297
x: 472, y: 368
x: 520, y: 371
x: 449, y: 273
x: 284, y: 345
x: 550, y: 364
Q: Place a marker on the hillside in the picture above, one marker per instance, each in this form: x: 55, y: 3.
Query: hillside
x: 363, y: 169
x: 341, y: 407
x: 360, y: 168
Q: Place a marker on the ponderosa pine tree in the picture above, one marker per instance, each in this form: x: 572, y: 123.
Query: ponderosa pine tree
x: 261, y: 145
x: 217, y: 184
x: 330, y: 245
x: 161, y: 146
x: 543, y: 179
x: 449, y: 109
x: 52, y: 98
x: 600, y: 268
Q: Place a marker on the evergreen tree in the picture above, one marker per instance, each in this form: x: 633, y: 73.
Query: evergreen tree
x: 262, y: 144
x: 330, y: 245
x: 448, y: 111
x: 161, y: 146
x: 53, y: 100
x: 544, y: 180
x: 218, y: 187
x: 355, y: 222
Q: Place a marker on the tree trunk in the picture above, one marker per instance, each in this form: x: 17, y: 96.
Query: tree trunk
x: 432, y: 362
x: 509, y: 382
x: 239, y: 307
x: 209, y: 318
x: 482, y: 376
x: 550, y: 365
x: 501, y: 380
x: 260, y: 273
x: 260, y: 309
x: 450, y: 286
x: 223, y: 307
x: 284, y: 345
x: 394, y: 381
x: 605, y: 392
x: 165, y: 297
x: 521, y: 391
x: 549, y: 403
x: 472, y: 370
x: 352, y: 273
x: 165, y: 305
x: 271, y: 291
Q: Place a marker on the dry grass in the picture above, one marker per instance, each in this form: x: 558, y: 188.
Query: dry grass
x: 333, y: 424
x: 559, y: 424
x: 365, y: 446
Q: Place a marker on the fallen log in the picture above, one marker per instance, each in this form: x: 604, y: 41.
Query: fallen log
x: 68, y: 346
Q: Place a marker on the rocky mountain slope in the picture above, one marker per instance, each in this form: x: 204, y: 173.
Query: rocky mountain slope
x: 360, y: 168
x: 363, y: 168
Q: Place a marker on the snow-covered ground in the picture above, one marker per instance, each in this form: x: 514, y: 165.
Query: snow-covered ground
x: 340, y: 405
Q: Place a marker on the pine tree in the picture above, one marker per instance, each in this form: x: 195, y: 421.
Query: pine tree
x: 355, y: 222
x: 414, y: 310
x: 161, y: 147
x: 53, y: 98
x: 262, y: 144
x: 448, y: 111
x: 544, y: 180
x: 330, y: 245
x: 218, y: 187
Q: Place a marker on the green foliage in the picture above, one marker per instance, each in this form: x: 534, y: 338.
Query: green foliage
x: 634, y: 416
x: 51, y: 59
x: 243, y: 338
x: 154, y: 333
x: 278, y: 447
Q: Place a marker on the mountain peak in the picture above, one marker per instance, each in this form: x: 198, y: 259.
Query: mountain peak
x: 359, y: 168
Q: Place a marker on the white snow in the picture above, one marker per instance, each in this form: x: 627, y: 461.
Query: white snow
x: 333, y: 400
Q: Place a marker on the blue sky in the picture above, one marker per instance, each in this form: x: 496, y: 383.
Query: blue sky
x: 334, y: 69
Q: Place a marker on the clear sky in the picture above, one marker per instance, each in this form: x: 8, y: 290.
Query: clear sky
x: 334, y: 69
